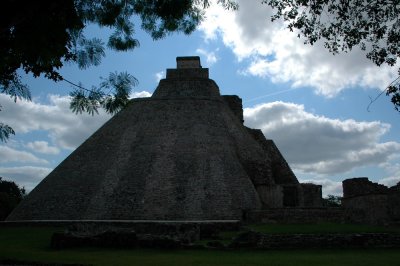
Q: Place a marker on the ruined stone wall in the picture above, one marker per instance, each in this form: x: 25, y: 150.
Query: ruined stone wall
x: 271, y: 196
x: 296, y: 215
x: 293, y: 241
x: 287, y: 191
x: 371, y: 203
x: 188, y: 62
x: 367, y: 209
x: 362, y: 186
x: 394, y: 202
x: 311, y: 195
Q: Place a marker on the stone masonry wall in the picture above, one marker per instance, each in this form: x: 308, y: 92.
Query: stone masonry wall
x: 362, y: 186
x: 371, y: 203
x: 296, y: 215
x: 394, y: 202
x: 367, y: 209
x: 282, y: 172
x: 188, y: 62
x: 286, y: 241
x: 235, y: 103
x: 311, y: 195
x: 271, y: 196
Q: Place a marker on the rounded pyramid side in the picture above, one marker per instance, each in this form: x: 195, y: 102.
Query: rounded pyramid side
x: 157, y: 159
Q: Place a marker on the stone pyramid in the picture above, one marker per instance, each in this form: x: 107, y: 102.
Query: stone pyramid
x: 182, y: 154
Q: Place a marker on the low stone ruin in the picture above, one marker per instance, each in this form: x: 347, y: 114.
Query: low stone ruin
x: 372, y: 203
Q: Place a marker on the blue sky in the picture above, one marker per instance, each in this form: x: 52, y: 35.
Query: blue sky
x: 311, y: 103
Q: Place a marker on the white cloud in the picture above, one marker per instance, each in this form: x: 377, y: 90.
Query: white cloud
x: 329, y: 186
x: 390, y: 181
x: 8, y: 154
x: 42, y: 147
x: 320, y: 145
x: 273, y: 51
x: 159, y: 76
x: 66, y: 129
x: 211, y: 58
x: 393, y: 170
x: 25, y: 176
x: 140, y: 94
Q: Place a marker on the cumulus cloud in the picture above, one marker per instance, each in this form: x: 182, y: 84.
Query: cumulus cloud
x: 8, y: 154
x: 270, y: 50
x: 393, y: 170
x: 139, y: 94
x: 159, y: 75
x: 211, y: 57
x: 42, y: 147
x: 25, y: 176
x: 320, y: 145
x: 390, y: 181
x: 330, y: 187
x: 66, y: 129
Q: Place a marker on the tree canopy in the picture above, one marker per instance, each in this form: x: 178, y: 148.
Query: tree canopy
x: 10, y: 195
x: 39, y: 37
x: 374, y: 26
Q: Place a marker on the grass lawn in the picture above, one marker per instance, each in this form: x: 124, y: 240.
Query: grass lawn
x: 32, y: 244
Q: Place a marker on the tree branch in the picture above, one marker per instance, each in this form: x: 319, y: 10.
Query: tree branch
x: 380, y: 94
x: 80, y: 87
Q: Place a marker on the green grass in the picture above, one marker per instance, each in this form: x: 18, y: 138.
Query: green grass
x: 32, y: 244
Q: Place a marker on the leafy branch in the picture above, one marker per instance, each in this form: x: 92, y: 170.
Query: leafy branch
x: 392, y: 89
x: 118, y: 85
x: 17, y: 90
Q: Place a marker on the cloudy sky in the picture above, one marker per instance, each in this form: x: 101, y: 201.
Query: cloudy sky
x: 311, y: 103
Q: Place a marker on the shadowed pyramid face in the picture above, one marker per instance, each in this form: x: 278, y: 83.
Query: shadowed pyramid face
x: 182, y: 154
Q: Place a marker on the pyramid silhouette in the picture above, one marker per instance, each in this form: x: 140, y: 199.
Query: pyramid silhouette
x: 181, y: 154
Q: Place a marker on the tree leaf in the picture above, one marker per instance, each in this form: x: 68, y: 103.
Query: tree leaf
x: 5, y: 132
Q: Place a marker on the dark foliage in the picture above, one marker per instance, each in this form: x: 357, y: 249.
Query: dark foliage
x: 332, y: 201
x: 39, y: 37
x: 374, y: 26
x: 5, y: 132
x: 120, y: 84
x: 10, y: 196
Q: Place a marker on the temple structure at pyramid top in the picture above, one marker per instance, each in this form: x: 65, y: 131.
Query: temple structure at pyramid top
x: 189, y: 79
x: 181, y: 154
x: 187, y: 62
